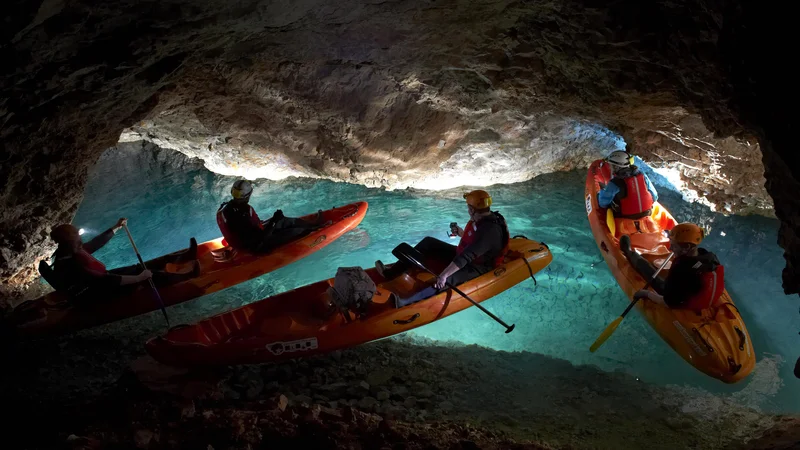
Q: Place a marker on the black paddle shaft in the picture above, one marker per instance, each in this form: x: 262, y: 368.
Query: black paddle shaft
x: 649, y: 282
x: 405, y: 251
x: 157, y: 296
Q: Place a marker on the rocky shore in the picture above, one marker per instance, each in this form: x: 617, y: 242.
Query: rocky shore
x: 95, y: 391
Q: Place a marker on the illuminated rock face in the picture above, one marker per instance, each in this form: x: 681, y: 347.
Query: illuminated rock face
x: 396, y: 94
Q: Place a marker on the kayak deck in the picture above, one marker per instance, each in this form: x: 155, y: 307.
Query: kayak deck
x: 715, y: 341
x: 294, y: 323
x: 220, y: 268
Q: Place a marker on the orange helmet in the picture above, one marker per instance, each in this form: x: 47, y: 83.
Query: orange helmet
x: 687, y: 233
x: 478, y: 199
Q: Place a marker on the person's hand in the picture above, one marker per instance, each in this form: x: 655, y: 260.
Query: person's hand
x: 650, y: 295
x: 440, y: 282
x: 145, y: 275
x: 120, y: 223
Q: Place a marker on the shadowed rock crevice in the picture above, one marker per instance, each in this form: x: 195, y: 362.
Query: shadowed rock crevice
x: 393, y: 94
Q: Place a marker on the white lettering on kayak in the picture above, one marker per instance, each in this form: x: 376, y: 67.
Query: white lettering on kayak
x: 300, y: 345
x: 588, y: 203
x: 689, y: 338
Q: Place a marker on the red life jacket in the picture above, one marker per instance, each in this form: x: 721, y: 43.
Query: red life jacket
x: 713, y: 286
x: 89, y: 262
x: 634, y: 199
x: 471, y: 233
x: 238, y: 227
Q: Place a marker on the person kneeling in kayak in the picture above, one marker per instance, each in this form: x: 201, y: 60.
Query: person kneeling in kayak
x: 629, y: 194
x: 484, y: 243
x: 243, y: 230
x: 79, y: 274
x: 696, y: 279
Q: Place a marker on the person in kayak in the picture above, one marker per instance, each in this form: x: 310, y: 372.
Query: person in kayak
x: 484, y: 243
x: 243, y: 230
x: 629, y: 194
x: 79, y: 274
x: 696, y: 279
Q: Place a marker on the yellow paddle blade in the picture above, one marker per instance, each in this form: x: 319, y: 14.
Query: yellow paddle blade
x: 612, y: 225
x: 606, y: 334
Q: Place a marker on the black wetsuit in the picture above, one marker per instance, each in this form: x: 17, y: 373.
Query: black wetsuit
x: 243, y: 229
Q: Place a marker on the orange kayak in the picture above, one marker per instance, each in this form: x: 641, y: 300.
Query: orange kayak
x: 715, y: 341
x: 293, y: 324
x: 220, y: 268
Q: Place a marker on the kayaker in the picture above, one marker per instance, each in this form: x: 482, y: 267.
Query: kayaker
x: 696, y: 279
x: 629, y: 194
x: 243, y: 229
x: 76, y: 272
x: 484, y: 242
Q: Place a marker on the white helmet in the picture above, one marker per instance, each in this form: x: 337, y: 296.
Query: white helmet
x: 242, y: 189
x: 620, y: 159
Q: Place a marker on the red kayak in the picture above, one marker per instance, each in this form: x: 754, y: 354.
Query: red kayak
x: 220, y: 268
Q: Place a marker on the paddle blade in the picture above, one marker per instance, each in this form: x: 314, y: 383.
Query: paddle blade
x: 606, y: 334
x: 409, y: 254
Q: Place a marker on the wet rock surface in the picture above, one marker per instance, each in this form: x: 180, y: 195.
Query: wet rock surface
x: 390, y: 394
x: 390, y: 94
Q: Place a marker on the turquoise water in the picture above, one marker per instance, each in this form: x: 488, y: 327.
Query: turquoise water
x: 168, y: 199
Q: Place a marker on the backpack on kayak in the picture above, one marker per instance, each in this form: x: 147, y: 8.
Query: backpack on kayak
x: 352, y: 290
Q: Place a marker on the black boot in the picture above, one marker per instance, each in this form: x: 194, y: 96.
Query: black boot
x: 625, y: 245
x: 389, y: 272
x: 186, y: 255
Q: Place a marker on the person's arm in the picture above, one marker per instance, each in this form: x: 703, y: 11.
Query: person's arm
x: 606, y: 196
x: 133, y: 279
x: 441, y: 280
x: 650, y: 295
x: 255, y: 220
x: 102, y: 239
x: 105, y: 278
x: 650, y: 188
x: 483, y: 244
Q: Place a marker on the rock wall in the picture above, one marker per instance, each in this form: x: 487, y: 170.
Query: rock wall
x: 390, y: 93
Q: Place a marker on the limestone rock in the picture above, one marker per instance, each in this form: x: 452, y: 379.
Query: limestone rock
x: 393, y: 94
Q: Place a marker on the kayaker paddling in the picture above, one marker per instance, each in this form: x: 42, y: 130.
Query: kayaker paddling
x: 696, y: 279
x: 484, y: 242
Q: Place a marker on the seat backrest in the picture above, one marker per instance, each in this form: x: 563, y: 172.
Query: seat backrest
x: 50, y: 276
x: 75, y: 292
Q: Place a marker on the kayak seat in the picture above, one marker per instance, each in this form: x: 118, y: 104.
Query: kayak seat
x: 511, y: 256
x: 403, y: 286
x: 634, y: 226
x: 650, y: 243
x: 661, y: 217
x: 224, y: 254
x: 383, y: 296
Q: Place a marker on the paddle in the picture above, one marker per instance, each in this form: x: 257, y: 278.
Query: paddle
x: 150, y: 280
x: 613, y: 327
x: 407, y: 252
